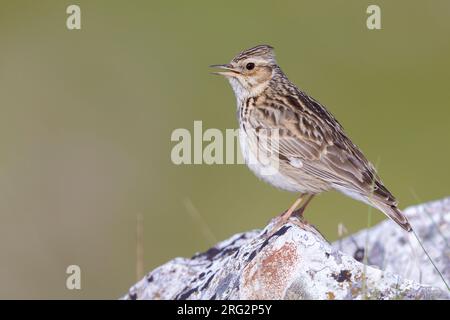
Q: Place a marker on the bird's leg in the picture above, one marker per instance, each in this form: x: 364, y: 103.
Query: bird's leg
x: 285, y: 216
x: 299, y: 212
x: 281, y: 220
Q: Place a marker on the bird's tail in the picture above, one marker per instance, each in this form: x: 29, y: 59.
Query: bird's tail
x: 394, y: 213
x: 384, y: 202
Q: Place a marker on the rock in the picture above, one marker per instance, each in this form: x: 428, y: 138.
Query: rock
x: 296, y: 262
x: 391, y: 249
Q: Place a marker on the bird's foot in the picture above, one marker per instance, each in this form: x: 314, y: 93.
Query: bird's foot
x: 295, y: 218
x: 299, y: 213
x: 276, y: 223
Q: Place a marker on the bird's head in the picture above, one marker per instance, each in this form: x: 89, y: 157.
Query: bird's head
x: 250, y: 71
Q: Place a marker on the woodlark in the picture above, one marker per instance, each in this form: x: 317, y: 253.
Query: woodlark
x: 284, y: 129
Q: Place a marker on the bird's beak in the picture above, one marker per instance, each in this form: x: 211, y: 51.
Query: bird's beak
x: 229, y: 71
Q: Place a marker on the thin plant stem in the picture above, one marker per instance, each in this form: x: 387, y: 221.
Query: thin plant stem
x: 429, y: 216
x: 431, y: 260
x: 366, y: 245
x: 139, y: 246
x: 196, y: 216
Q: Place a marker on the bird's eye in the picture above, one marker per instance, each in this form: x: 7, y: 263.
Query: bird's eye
x: 250, y: 66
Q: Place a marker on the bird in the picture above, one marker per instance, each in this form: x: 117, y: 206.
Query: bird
x: 294, y: 143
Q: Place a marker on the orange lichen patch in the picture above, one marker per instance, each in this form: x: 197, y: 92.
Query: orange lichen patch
x: 269, y: 273
x: 330, y: 295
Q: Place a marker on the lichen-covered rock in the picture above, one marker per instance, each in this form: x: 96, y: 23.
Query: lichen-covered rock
x: 295, y: 262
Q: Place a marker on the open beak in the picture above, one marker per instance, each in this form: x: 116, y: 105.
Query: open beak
x: 229, y: 71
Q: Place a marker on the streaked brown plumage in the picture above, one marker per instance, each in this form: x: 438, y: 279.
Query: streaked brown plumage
x: 302, y: 140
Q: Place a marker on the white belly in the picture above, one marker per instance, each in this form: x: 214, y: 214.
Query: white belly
x: 265, y: 168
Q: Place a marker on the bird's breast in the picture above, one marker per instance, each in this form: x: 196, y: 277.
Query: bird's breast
x: 265, y: 165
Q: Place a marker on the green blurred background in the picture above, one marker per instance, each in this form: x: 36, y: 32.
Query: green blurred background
x: 86, y: 120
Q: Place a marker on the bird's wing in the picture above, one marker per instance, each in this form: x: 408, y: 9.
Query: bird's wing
x: 308, y: 132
